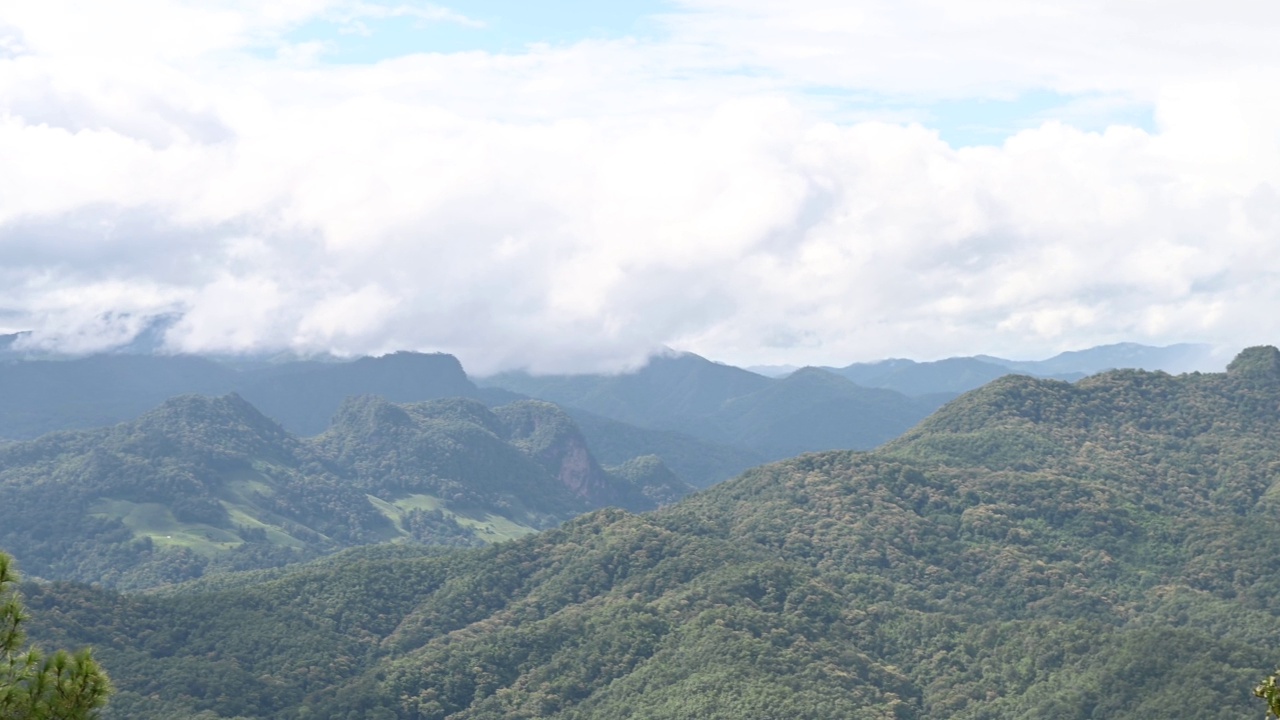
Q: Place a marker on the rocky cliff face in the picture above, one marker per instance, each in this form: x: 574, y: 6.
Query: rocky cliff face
x: 552, y: 439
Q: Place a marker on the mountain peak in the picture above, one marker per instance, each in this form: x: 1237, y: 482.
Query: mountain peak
x: 1258, y: 361
x: 227, y: 422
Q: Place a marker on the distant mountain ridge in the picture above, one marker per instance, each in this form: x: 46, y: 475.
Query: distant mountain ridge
x: 810, y: 410
x: 962, y: 374
x: 39, y: 396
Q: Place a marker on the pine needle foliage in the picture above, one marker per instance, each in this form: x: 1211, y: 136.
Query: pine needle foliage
x: 36, y: 686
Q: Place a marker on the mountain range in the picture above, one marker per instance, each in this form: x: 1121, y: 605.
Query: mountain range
x: 809, y: 410
x: 707, y: 421
x: 1034, y: 549
x: 213, y: 484
x: 961, y: 374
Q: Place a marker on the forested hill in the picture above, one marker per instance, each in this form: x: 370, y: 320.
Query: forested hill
x: 1036, y: 550
x: 202, y: 484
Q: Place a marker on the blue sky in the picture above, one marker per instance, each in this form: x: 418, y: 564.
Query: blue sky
x: 508, y: 27
x: 501, y: 26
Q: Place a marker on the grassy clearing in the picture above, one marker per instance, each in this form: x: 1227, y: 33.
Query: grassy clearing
x: 494, y: 528
x: 487, y: 526
x: 157, y: 522
x: 154, y: 521
x: 275, y: 535
x: 422, y: 502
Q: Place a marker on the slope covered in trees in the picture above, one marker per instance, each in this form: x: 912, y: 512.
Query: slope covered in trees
x: 212, y: 484
x: 1036, y: 549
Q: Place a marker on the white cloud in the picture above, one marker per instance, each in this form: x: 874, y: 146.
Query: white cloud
x: 577, y: 207
x: 986, y: 47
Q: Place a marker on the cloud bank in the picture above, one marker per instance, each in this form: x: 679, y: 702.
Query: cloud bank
x: 577, y: 206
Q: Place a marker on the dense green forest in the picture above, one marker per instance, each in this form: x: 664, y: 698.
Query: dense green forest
x: 210, y: 484
x: 1036, y: 549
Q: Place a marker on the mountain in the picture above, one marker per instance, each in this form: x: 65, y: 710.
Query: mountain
x: 1036, y: 549
x: 812, y: 410
x: 961, y: 374
x: 953, y: 375
x: 1182, y: 358
x: 203, y: 484
x: 39, y: 396
x: 303, y: 396
x: 771, y: 418
x: 666, y: 393
x: 701, y: 463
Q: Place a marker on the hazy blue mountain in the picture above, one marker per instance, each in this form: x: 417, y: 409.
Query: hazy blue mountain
x: 8, y: 339
x: 699, y: 462
x: 961, y: 374
x: 813, y: 410
x: 38, y: 396
x: 773, y: 371
x: 953, y: 375
x: 1171, y: 359
x: 772, y: 418
x: 303, y: 396
x: 670, y: 391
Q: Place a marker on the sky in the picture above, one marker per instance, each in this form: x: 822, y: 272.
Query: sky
x: 568, y: 186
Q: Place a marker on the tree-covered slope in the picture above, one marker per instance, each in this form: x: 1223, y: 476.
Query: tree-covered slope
x: 1036, y: 550
x: 212, y: 484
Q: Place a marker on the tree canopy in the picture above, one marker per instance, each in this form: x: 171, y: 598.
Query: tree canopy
x: 36, y: 686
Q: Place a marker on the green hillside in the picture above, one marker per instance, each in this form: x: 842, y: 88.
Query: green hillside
x: 211, y: 484
x: 1109, y: 549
